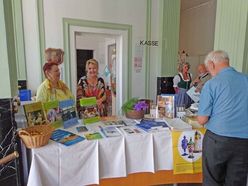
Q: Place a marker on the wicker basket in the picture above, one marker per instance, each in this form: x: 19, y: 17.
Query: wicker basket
x: 133, y: 114
x: 36, y: 136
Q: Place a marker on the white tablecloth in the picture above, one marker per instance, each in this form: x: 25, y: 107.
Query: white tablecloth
x: 89, y: 161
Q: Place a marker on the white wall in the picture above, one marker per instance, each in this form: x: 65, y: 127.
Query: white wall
x: 114, y: 11
x: 197, y: 25
x: 31, y: 39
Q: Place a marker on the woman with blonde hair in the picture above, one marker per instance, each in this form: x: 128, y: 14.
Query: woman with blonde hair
x: 93, y: 86
x: 181, y: 84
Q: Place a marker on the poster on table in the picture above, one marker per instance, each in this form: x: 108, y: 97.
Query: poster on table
x: 187, y: 151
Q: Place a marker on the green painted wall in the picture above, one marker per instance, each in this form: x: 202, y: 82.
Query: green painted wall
x: 8, y: 73
x: 169, y: 36
x: 245, y: 61
x: 19, y: 39
x: 147, y: 49
x: 4, y: 70
x: 42, y: 36
x: 231, y: 31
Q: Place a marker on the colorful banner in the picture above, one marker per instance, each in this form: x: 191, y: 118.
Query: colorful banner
x: 187, y: 151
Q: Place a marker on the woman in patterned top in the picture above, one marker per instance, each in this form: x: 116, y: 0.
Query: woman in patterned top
x: 93, y: 86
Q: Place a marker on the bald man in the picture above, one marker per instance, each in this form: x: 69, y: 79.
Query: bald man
x: 223, y: 109
x: 203, y: 77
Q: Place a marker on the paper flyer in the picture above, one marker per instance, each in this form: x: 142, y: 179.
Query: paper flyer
x: 187, y: 151
x: 195, y: 96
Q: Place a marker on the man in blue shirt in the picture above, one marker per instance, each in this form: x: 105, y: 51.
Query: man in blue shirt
x: 224, y: 109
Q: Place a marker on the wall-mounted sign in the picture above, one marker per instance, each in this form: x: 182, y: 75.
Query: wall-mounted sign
x: 138, y: 64
x: 148, y: 43
x: 138, y: 58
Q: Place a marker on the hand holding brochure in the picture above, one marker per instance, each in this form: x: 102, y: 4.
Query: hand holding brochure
x: 193, y: 94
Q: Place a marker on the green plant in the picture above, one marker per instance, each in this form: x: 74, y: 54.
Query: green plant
x: 129, y: 104
x: 134, y: 104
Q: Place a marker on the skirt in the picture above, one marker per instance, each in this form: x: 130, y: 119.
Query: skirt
x: 182, y: 99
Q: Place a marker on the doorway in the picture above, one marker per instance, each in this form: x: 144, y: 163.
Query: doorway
x: 106, y: 49
x: 109, y: 73
x: 121, y: 34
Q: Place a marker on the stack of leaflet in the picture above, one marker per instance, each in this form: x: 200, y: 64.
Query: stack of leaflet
x: 192, y: 120
x: 152, y: 125
x: 117, y: 123
x: 110, y: 131
x: 179, y: 125
x: 130, y: 130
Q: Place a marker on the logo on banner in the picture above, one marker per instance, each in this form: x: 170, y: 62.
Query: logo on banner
x: 190, y: 145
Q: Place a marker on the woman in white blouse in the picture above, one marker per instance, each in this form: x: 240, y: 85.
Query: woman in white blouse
x: 181, y: 84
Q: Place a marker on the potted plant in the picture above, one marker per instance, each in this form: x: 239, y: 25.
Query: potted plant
x: 134, y: 108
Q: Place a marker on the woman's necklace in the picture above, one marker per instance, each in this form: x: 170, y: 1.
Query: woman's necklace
x: 92, y: 82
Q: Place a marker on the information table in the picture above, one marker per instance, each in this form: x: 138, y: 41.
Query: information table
x: 138, y: 159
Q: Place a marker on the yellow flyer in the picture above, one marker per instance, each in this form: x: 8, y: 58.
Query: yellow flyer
x: 187, y: 151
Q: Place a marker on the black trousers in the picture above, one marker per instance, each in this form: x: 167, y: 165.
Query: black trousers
x: 225, y: 160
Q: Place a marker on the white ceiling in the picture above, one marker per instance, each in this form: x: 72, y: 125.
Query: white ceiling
x: 187, y: 4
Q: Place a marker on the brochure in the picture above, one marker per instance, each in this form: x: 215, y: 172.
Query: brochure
x: 68, y: 110
x: 117, y: 123
x: 178, y: 124
x: 35, y: 114
x: 82, y: 129
x: 52, y: 113
x: 130, y: 130
x: 152, y: 125
x: 166, y: 105
x: 88, y: 110
x: 110, y: 131
x: 93, y: 135
x: 65, y: 137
